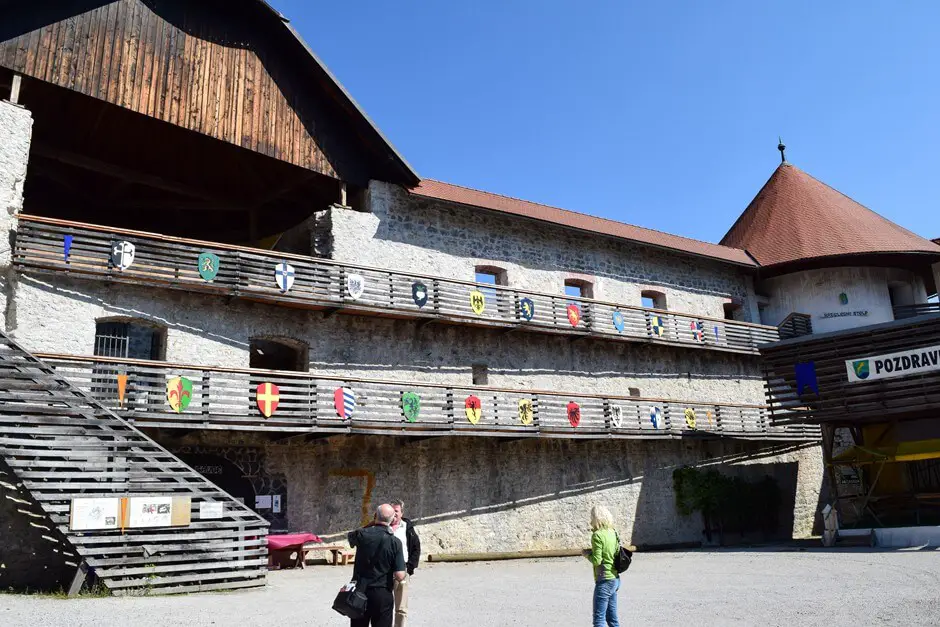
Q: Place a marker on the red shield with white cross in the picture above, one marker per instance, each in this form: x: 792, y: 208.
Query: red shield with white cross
x: 267, y: 396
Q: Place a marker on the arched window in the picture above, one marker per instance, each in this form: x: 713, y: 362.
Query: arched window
x: 130, y: 338
x: 276, y: 353
x: 653, y: 299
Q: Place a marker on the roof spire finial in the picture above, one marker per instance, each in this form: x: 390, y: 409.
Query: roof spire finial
x: 781, y: 148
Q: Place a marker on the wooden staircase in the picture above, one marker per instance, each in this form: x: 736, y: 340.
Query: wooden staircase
x: 57, y: 444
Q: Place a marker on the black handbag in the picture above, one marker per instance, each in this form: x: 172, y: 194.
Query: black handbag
x: 351, y: 602
x: 623, y: 558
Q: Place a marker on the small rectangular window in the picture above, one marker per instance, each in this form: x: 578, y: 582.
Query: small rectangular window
x: 634, y: 391
x: 487, y: 277
x: 480, y: 374
x: 574, y: 291
x: 653, y: 300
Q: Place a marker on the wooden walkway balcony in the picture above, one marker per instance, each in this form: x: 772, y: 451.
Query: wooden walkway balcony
x: 912, y: 311
x: 227, y: 399
x: 248, y: 273
x: 807, y: 378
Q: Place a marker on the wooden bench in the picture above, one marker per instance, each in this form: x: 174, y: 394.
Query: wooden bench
x: 342, y: 555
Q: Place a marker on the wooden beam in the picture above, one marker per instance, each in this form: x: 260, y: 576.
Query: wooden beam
x: 15, y: 89
x: 78, y: 580
x: 94, y: 165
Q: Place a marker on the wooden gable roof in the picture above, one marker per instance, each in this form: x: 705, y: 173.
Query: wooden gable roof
x: 234, y: 70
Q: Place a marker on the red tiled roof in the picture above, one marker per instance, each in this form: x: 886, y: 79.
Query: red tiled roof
x: 795, y: 217
x: 583, y: 222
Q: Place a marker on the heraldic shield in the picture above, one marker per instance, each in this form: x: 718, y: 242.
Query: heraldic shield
x: 574, y: 314
x: 474, y: 409
x: 656, y: 417
x: 268, y: 396
x: 410, y: 406
x: 574, y: 414
x: 179, y: 393
x: 355, y: 285
x: 208, y: 266
x: 527, y: 309
x: 616, y: 416
x: 344, y: 402
x: 122, y: 254
x: 526, y: 411
x: 419, y: 292
x: 477, y: 302
x: 284, y: 275
x: 690, y: 418
x: 618, y: 320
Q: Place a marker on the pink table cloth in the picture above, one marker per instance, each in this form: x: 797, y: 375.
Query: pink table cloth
x: 290, y: 539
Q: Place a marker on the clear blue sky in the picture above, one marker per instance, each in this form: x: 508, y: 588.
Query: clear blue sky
x: 661, y: 114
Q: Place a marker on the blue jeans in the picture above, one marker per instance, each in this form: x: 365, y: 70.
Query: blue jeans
x: 605, y: 602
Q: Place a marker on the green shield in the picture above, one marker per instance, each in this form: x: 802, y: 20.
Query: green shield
x: 411, y: 406
x: 208, y: 266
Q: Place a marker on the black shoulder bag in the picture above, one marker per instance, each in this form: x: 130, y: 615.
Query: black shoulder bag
x: 623, y: 558
x: 351, y: 600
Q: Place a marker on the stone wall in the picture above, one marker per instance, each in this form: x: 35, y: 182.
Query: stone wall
x: 58, y: 315
x: 16, y: 124
x: 472, y: 494
x: 410, y: 233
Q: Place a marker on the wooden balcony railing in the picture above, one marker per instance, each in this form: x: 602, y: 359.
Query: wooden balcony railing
x: 796, y: 325
x: 911, y: 311
x: 322, y: 284
x: 807, y: 380
x: 226, y: 399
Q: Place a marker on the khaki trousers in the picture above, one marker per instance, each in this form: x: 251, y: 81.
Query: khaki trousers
x: 401, y: 601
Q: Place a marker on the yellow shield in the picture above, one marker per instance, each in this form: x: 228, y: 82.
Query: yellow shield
x: 477, y: 302
x: 690, y: 418
x: 526, y: 411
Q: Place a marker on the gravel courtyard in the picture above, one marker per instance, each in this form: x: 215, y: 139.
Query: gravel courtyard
x: 728, y: 587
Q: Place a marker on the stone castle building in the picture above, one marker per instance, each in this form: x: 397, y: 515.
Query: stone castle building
x: 191, y: 200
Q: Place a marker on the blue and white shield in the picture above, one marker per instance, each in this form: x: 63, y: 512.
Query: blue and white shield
x: 656, y: 417
x: 618, y: 321
x: 284, y: 275
x: 527, y: 309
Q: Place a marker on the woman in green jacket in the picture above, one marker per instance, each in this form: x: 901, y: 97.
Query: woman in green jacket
x: 604, y: 547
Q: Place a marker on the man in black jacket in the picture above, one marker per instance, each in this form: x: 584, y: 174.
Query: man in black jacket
x: 404, y: 530
x: 380, y: 565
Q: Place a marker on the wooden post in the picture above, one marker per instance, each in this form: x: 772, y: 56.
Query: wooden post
x: 15, y: 89
x: 342, y: 193
x: 78, y: 580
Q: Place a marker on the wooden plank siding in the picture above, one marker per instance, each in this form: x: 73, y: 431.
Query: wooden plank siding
x: 61, y: 444
x: 170, y: 262
x: 218, y: 77
x: 847, y: 404
x: 224, y: 399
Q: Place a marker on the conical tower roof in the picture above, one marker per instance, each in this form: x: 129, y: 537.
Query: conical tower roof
x: 795, y: 219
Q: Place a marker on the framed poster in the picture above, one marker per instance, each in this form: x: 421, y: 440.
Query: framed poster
x: 150, y: 511
x: 95, y: 514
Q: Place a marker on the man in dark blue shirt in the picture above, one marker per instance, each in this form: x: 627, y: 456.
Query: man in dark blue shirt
x: 380, y: 561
